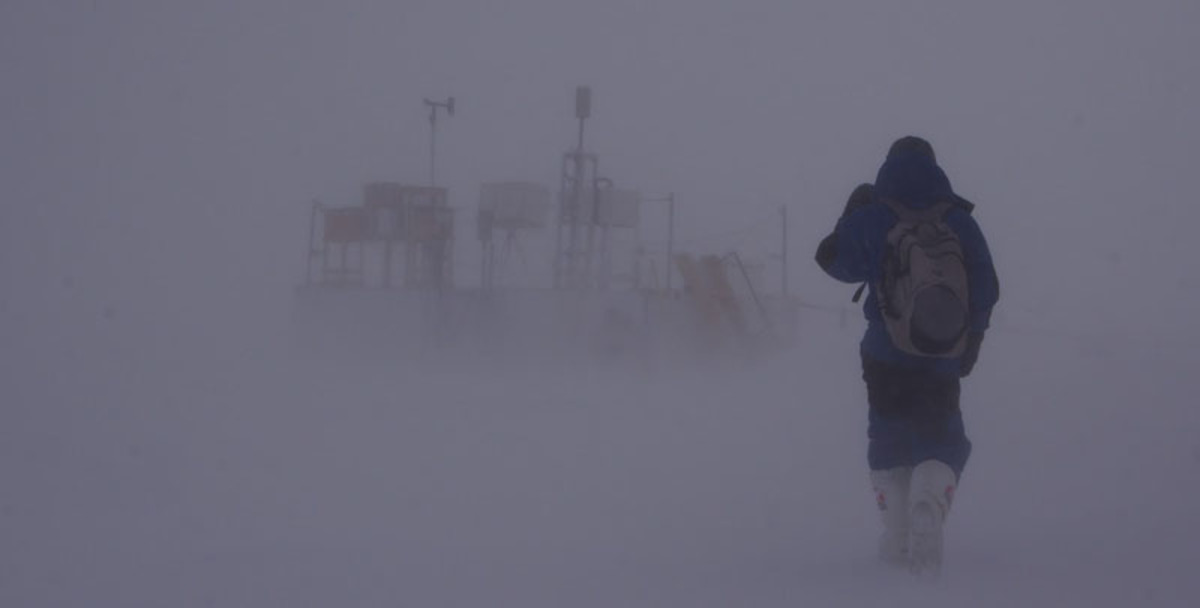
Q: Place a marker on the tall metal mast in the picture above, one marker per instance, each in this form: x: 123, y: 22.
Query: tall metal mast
x: 434, y: 106
x: 567, y: 270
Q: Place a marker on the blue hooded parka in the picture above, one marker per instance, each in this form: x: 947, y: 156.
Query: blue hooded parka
x: 854, y: 252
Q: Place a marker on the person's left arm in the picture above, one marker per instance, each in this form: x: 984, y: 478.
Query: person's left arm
x: 983, y: 286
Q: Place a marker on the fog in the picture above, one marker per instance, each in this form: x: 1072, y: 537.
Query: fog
x: 164, y: 440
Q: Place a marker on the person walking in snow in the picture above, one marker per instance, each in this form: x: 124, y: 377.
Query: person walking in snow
x: 913, y: 241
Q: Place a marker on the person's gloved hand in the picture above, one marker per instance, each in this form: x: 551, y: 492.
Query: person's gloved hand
x: 827, y: 251
x: 862, y: 195
x: 971, y: 355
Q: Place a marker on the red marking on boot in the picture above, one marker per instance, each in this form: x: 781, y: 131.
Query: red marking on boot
x: 949, y: 495
x: 881, y: 500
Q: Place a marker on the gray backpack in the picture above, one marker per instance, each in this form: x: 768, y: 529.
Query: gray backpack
x: 923, y: 293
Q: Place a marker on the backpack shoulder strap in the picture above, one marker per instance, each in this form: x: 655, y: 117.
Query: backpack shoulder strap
x: 858, y: 292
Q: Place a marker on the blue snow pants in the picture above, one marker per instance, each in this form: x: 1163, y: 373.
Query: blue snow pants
x: 914, y: 416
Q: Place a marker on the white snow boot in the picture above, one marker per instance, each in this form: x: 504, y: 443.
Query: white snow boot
x: 931, y: 491
x: 891, y: 494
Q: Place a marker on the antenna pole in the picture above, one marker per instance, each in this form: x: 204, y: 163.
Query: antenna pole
x: 434, y: 106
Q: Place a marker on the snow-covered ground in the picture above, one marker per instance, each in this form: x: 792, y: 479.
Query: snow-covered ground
x: 142, y: 473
